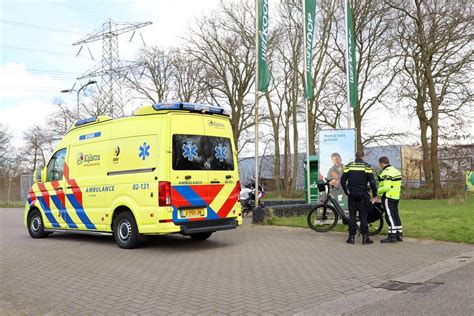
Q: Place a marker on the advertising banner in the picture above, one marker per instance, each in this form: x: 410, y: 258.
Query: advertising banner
x: 336, y: 149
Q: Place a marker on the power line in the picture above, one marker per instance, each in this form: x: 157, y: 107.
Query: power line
x: 47, y: 71
x: 52, y: 29
x: 42, y: 51
x: 35, y: 26
x: 52, y: 76
x: 78, y: 9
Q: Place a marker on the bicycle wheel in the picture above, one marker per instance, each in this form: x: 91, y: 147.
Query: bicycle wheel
x: 322, y: 218
x: 374, y: 227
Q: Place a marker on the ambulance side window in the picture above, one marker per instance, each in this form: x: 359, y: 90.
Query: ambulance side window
x: 56, y: 166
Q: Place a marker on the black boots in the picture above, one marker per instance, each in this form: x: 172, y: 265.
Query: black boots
x: 366, y: 240
x: 391, y: 239
x: 399, y: 236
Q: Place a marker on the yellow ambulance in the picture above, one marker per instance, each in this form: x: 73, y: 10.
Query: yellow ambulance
x: 169, y: 168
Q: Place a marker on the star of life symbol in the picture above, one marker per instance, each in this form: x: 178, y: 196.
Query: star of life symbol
x: 189, y: 151
x: 221, y: 152
x: 144, y: 151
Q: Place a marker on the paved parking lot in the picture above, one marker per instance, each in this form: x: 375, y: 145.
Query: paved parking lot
x: 251, y: 270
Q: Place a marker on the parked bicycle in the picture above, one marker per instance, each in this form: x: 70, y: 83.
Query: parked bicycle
x: 325, y: 216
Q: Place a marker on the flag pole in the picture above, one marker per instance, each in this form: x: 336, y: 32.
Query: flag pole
x: 308, y: 180
x: 349, y: 112
x: 256, y: 104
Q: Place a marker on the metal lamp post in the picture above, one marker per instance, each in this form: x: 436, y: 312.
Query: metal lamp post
x: 78, y: 92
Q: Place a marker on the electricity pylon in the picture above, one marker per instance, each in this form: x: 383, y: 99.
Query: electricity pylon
x: 109, y: 68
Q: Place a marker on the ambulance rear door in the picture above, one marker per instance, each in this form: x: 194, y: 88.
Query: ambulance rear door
x: 189, y: 168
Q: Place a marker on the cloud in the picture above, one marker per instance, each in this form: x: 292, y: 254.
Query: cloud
x: 25, y: 98
x: 171, y: 19
x: 23, y: 115
x: 17, y: 82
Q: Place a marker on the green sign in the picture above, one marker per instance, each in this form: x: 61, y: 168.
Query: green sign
x: 313, y: 176
x: 262, y: 44
x: 351, y: 58
x: 309, y: 9
x: 470, y: 180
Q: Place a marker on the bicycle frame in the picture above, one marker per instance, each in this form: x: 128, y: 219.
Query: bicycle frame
x: 337, y: 206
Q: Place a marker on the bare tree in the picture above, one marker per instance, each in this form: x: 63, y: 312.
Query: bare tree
x: 437, y: 38
x: 376, y: 65
x: 188, y: 78
x: 153, y: 80
x: 5, y: 150
x: 224, y: 43
x: 38, y: 146
x: 4, y: 141
x: 324, y: 108
x: 289, y: 91
x: 61, y: 119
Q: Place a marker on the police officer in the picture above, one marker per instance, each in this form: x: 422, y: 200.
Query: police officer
x: 390, y: 180
x: 354, y: 183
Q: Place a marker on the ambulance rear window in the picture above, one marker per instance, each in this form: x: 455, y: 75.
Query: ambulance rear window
x: 198, y: 152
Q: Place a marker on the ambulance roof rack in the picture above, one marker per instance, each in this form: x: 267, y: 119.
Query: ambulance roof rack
x: 91, y: 120
x: 193, y: 107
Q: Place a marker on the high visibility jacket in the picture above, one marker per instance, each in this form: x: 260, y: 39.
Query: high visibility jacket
x: 356, y: 176
x: 390, y: 183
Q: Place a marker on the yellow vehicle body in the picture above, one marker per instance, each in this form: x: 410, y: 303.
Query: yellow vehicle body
x: 105, y: 166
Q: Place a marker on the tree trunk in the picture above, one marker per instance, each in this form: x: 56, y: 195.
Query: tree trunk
x: 425, y: 148
x: 426, y: 59
x: 276, y: 140
x: 295, y: 148
x: 287, y: 167
x: 435, y: 170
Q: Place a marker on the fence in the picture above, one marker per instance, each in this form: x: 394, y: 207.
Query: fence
x: 15, y: 191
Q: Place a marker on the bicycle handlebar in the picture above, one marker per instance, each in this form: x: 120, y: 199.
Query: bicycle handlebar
x: 327, y: 183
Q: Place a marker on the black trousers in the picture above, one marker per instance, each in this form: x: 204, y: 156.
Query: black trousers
x: 391, y: 215
x: 358, y: 202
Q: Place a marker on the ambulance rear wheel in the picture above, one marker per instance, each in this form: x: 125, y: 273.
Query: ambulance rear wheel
x: 126, y: 231
x: 36, y: 225
x: 200, y: 236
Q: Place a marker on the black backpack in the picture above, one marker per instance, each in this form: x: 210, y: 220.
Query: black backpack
x: 375, y: 212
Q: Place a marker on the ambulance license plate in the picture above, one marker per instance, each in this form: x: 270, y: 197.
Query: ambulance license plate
x: 193, y: 213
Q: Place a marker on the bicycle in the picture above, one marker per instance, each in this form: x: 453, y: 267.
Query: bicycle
x: 325, y: 216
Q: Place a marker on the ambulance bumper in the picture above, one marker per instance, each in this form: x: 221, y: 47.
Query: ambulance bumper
x: 194, y: 227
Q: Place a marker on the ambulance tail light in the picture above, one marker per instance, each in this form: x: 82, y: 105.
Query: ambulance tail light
x: 164, y: 194
x: 238, y: 185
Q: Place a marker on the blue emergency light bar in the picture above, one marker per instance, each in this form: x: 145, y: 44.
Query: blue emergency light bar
x: 193, y: 107
x: 85, y: 121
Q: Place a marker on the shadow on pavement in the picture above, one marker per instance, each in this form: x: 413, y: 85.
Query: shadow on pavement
x: 165, y: 242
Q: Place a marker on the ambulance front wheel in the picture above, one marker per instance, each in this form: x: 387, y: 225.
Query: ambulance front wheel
x: 200, y: 236
x: 36, y: 224
x: 126, y: 231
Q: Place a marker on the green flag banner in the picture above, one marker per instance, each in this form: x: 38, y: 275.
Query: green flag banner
x: 351, y: 58
x: 309, y: 9
x: 263, y: 70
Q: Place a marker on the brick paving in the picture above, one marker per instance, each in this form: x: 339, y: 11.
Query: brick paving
x: 251, y: 270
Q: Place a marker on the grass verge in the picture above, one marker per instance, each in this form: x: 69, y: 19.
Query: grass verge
x: 427, y: 219
x: 15, y: 204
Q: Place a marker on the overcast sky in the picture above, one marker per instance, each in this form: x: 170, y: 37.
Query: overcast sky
x: 38, y: 60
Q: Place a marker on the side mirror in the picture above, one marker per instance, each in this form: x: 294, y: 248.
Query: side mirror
x: 37, y: 176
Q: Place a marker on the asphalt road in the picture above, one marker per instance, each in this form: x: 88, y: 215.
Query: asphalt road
x: 250, y: 270
x: 451, y: 293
